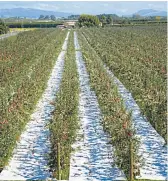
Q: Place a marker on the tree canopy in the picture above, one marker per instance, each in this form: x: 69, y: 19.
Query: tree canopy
x: 47, y: 17
x: 52, y: 17
x: 107, y: 18
x: 3, y: 27
x: 41, y: 16
x: 88, y: 20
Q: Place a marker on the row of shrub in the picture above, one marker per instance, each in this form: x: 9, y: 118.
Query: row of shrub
x: 65, y: 117
x: 138, y: 57
x: 116, y: 121
x: 33, y: 25
x: 25, y: 65
x: 3, y: 28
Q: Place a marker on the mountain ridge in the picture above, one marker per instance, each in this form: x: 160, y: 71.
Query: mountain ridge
x: 30, y: 13
x: 151, y: 12
x: 35, y: 13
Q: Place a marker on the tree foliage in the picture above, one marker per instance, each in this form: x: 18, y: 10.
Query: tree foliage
x: 74, y: 17
x: 41, y: 16
x: 52, y: 17
x: 106, y: 19
x: 88, y: 20
x: 109, y: 20
x: 47, y: 17
x: 3, y: 27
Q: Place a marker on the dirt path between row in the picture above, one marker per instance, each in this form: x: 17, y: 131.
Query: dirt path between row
x: 152, y: 149
x: 8, y: 35
x: 92, y: 159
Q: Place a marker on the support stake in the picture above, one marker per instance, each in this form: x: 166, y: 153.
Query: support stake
x: 131, y: 162
x: 58, y: 161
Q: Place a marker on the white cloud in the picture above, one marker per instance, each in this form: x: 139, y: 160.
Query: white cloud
x: 105, y: 5
x: 75, y: 6
x: 47, y: 6
x: 156, y: 7
x: 123, y: 10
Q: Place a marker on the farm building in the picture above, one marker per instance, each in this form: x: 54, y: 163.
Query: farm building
x: 70, y: 23
x: 61, y: 26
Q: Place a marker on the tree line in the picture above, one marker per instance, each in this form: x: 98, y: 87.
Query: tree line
x: 85, y: 19
x: 90, y: 20
x: 47, y: 17
x: 110, y: 19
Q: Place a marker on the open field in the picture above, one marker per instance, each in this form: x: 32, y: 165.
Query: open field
x: 14, y: 31
x: 84, y: 104
x: 21, y: 29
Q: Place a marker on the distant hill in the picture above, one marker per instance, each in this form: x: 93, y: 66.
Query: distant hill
x: 151, y: 12
x: 30, y: 13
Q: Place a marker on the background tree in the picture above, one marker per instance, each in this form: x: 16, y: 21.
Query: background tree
x: 102, y: 19
x: 136, y: 16
x: 46, y: 17
x: 88, y: 20
x: 74, y: 17
x: 41, y: 17
x: 52, y: 17
x: 109, y: 19
x: 3, y: 27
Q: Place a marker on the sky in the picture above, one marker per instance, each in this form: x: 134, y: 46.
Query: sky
x: 90, y: 7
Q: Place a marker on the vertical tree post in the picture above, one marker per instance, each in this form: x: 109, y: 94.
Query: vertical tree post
x: 155, y: 125
x: 131, y: 161
x: 58, y: 161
